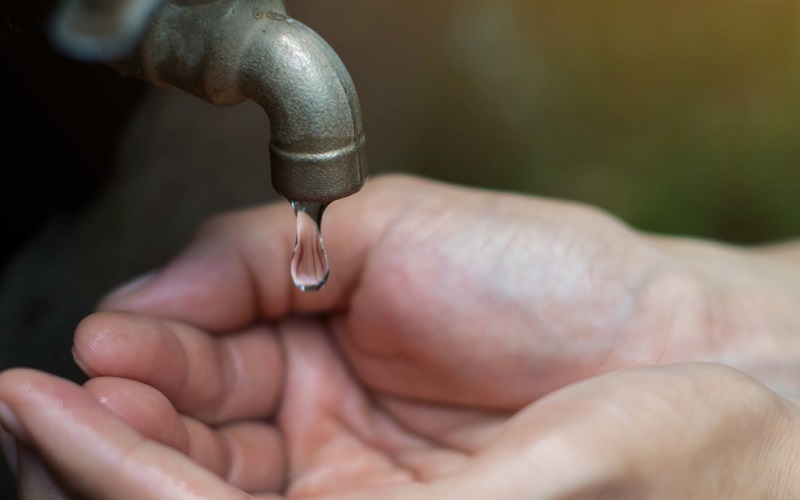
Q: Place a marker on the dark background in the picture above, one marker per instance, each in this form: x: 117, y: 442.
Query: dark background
x: 681, y: 118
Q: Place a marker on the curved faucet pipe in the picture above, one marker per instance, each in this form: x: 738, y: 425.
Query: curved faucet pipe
x: 227, y: 51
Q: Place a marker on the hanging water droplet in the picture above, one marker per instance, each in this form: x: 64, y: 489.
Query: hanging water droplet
x: 309, y: 261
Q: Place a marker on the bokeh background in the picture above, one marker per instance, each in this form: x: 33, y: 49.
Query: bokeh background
x: 680, y: 117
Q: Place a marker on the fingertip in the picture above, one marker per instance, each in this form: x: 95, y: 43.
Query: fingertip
x: 16, y: 383
x: 105, y: 343
x: 88, y: 336
x: 22, y: 389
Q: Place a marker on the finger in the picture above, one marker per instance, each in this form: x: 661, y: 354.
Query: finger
x: 337, y: 439
x: 256, y: 456
x: 144, y: 408
x: 237, y: 267
x: 91, y: 451
x: 249, y: 456
x: 215, y: 379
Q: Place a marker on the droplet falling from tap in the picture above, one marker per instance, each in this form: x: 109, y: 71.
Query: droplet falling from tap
x: 310, y: 267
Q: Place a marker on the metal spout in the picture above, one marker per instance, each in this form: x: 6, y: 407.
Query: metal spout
x: 227, y: 51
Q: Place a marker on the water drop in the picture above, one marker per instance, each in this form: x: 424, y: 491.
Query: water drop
x: 310, y: 261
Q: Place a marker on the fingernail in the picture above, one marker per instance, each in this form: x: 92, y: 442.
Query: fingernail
x: 10, y: 422
x: 83, y: 367
x: 129, y: 288
x: 9, y: 447
x: 10, y: 429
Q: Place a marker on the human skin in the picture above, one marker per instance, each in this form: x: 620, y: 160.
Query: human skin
x: 468, y: 344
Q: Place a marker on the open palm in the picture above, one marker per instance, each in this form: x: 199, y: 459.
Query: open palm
x: 309, y: 429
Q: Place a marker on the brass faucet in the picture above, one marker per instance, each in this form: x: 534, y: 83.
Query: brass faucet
x: 227, y: 51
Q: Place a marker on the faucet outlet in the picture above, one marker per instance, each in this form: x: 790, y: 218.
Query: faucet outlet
x: 227, y: 51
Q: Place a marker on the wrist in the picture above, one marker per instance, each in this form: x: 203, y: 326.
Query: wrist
x: 751, y: 308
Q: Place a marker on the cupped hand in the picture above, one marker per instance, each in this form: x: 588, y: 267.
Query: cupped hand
x: 448, y: 315
x: 429, y: 279
x: 692, y: 431
x: 455, y: 295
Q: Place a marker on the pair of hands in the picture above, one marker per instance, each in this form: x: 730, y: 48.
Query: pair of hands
x: 469, y: 344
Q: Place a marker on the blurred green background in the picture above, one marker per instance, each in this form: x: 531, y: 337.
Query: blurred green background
x: 679, y: 117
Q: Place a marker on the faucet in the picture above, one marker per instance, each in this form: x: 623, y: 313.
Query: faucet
x: 228, y: 51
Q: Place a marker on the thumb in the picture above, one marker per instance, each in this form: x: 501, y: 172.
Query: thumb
x: 236, y: 269
x: 69, y: 442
